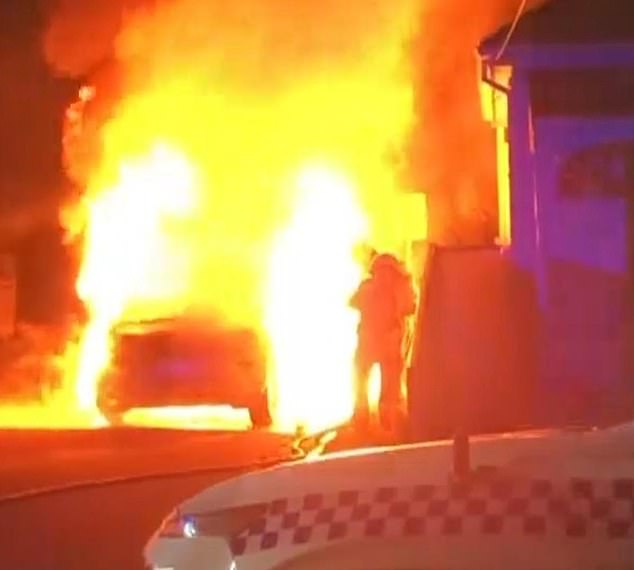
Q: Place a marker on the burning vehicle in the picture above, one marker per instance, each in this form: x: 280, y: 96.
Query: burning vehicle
x: 207, y: 176
x: 182, y: 362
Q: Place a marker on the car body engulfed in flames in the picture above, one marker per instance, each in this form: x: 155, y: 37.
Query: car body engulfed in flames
x: 182, y: 362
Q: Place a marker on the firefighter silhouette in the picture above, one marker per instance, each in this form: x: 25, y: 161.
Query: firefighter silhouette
x: 385, y: 299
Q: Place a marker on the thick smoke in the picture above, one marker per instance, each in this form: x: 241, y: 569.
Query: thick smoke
x: 452, y: 151
x: 81, y: 35
x: 254, y: 40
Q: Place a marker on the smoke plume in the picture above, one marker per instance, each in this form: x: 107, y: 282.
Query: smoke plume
x: 81, y: 35
x: 452, y: 150
x: 255, y: 41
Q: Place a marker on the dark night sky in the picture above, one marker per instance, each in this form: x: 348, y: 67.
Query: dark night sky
x: 32, y: 103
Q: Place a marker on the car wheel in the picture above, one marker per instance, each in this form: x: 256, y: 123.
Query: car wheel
x: 110, y: 409
x: 259, y: 412
x: 113, y: 417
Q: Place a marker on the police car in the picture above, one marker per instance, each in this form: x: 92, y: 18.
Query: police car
x: 540, y: 500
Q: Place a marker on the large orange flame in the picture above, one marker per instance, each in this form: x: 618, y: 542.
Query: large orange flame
x: 132, y: 265
x: 312, y: 275
x: 243, y: 198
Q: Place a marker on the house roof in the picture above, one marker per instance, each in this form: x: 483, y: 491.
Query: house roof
x: 570, y: 22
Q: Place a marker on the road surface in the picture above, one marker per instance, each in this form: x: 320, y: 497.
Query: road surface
x: 102, y: 528
x: 56, y: 513
x: 53, y: 518
x: 36, y: 460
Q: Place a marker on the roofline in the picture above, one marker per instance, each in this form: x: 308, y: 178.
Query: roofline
x: 568, y: 56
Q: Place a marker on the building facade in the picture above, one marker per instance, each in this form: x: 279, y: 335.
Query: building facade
x: 559, y: 90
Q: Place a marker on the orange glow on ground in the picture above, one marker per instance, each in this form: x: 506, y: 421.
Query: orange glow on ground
x: 56, y: 413
x: 190, y: 417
